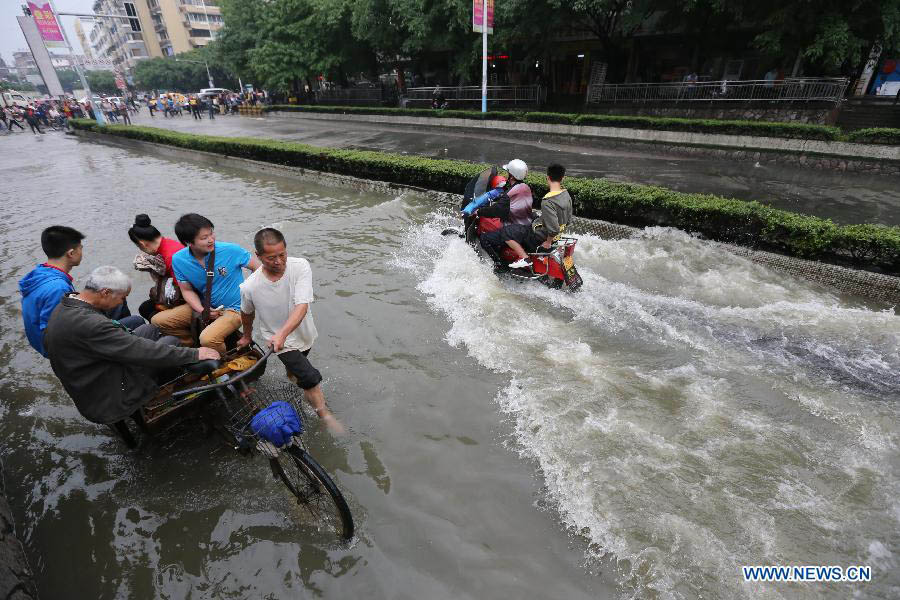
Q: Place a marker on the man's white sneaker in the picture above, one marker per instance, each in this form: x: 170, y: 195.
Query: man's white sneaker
x: 522, y: 263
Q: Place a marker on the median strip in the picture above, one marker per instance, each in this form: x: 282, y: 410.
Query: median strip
x: 797, y: 131
x: 870, y: 247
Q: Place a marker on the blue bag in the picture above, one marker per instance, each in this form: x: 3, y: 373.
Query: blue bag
x: 277, y: 423
x: 482, y: 200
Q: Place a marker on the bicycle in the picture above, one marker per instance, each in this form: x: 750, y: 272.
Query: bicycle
x: 244, y: 416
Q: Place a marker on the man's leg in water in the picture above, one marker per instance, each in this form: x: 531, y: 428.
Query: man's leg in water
x: 301, y: 371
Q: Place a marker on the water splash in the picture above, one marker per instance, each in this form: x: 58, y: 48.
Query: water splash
x: 691, y: 411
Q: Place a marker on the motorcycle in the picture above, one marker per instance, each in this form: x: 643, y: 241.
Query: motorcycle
x: 554, y: 266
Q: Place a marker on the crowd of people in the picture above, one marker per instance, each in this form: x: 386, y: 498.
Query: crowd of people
x: 55, y: 114
x: 111, y: 362
x: 174, y: 104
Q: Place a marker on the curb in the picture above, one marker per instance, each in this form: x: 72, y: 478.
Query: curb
x: 845, y: 156
x: 867, y: 284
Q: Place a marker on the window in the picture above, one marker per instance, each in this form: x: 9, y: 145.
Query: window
x: 200, y: 33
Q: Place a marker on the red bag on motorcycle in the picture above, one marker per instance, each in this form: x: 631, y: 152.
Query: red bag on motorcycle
x: 486, y: 224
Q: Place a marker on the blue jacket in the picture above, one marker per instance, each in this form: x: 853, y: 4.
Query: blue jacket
x: 42, y: 289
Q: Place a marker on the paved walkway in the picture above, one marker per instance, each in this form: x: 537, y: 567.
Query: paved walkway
x: 843, y: 197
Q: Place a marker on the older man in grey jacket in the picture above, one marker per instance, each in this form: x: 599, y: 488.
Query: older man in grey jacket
x: 108, y: 371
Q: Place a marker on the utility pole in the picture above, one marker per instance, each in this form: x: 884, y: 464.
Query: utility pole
x: 484, y: 26
x: 98, y: 114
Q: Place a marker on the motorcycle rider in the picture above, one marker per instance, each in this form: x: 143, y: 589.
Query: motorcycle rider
x: 556, y: 214
x: 513, y: 207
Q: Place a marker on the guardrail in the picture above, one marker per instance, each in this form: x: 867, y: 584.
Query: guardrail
x: 507, y: 95
x: 785, y: 90
x: 350, y: 96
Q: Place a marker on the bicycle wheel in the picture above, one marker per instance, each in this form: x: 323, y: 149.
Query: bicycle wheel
x: 314, y: 489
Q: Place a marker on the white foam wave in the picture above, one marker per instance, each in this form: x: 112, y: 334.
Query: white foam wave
x: 690, y: 411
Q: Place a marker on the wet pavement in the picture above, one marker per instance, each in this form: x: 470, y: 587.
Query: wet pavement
x: 842, y: 197
x: 685, y: 413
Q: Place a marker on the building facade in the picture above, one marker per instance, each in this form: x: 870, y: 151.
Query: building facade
x: 168, y: 27
x: 82, y: 39
x: 114, y: 39
x: 182, y: 25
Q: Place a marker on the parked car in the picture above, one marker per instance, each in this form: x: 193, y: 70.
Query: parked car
x: 14, y: 98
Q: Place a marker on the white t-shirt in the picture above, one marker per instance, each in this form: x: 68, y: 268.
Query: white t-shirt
x: 273, y: 301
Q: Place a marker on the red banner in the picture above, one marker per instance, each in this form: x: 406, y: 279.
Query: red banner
x: 477, y: 18
x: 47, y: 25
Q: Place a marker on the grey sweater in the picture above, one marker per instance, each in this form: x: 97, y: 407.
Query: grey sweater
x: 556, y: 213
x: 108, y: 372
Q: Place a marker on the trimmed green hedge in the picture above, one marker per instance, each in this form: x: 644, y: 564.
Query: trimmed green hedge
x: 872, y: 247
x: 875, y: 135
x: 753, y: 128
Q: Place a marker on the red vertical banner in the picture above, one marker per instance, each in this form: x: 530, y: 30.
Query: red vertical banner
x: 477, y: 17
x: 47, y: 25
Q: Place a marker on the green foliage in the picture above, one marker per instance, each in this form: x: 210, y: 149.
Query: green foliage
x: 875, y: 135
x: 102, y: 82
x: 871, y: 247
x: 20, y: 86
x: 183, y: 73
x: 68, y: 79
x: 834, y: 36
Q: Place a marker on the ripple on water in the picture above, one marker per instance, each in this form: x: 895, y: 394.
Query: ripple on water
x: 691, y: 411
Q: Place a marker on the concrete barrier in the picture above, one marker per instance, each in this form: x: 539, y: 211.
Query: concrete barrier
x: 16, y: 578
x: 866, y: 284
x: 844, y: 156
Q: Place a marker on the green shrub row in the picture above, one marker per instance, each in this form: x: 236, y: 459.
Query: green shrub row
x: 752, y: 128
x: 872, y: 247
x: 875, y: 135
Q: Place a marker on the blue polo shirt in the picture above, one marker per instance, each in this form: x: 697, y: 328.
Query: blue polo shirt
x: 226, y: 289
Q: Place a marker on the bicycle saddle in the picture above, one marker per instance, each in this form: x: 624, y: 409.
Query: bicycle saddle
x: 204, y: 367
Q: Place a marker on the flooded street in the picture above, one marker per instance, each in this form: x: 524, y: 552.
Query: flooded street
x: 842, y: 197
x: 686, y: 413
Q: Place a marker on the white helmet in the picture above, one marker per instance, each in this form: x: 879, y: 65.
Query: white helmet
x: 517, y: 168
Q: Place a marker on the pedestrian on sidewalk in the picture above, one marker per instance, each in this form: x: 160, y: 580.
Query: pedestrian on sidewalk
x: 212, y: 108
x: 123, y: 112
x: 32, y: 118
x: 15, y: 116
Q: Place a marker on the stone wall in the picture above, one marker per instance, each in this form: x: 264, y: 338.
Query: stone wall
x: 818, y: 114
x: 16, y: 579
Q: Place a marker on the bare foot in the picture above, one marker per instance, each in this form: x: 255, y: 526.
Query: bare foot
x: 331, y: 422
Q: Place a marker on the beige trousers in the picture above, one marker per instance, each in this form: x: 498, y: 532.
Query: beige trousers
x: 177, y: 321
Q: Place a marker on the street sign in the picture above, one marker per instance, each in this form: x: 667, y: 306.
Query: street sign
x: 47, y: 25
x: 477, y: 10
x: 41, y: 56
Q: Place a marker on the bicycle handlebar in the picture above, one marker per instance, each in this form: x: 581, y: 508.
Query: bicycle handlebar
x: 206, y: 388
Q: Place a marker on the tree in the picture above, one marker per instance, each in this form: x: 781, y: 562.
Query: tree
x: 102, y: 82
x: 832, y: 36
x: 611, y: 21
x: 68, y: 79
x: 183, y: 73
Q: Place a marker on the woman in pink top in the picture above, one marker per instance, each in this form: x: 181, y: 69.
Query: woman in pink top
x: 158, y: 260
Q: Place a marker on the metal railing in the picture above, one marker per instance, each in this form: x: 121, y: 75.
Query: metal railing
x: 364, y: 96
x: 509, y: 95
x: 785, y: 90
